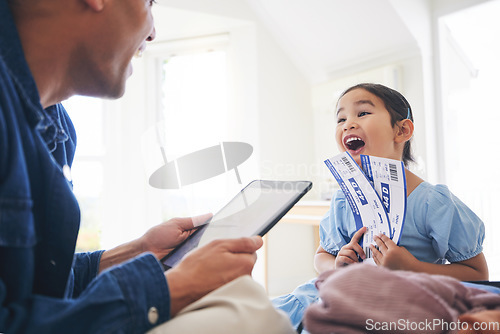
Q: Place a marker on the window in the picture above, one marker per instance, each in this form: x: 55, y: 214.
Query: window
x: 190, y: 97
x: 191, y: 102
x: 470, y: 72
x: 87, y: 170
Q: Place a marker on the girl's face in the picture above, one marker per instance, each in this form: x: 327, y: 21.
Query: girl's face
x: 364, y: 127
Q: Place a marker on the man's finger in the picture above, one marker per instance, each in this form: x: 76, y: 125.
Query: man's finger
x: 241, y: 245
x: 201, y: 219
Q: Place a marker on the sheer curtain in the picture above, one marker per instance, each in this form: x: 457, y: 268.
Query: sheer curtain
x: 471, y: 114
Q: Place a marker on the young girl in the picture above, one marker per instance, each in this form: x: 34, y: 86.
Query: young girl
x: 440, y: 234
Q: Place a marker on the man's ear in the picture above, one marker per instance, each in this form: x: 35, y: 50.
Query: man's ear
x: 96, y: 5
x: 405, y: 131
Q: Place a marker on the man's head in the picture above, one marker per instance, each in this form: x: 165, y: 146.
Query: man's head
x: 122, y: 28
x: 82, y: 47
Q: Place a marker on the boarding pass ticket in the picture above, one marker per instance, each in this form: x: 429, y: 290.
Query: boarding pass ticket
x: 389, y: 180
x: 364, y: 201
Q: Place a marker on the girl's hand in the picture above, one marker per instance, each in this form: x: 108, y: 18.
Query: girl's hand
x: 349, y: 253
x: 390, y: 255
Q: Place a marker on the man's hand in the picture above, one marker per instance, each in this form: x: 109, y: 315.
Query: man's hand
x: 209, y: 267
x: 159, y: 240
x: 163, y: 238
x: 392, y: 256
x: 348, y: 254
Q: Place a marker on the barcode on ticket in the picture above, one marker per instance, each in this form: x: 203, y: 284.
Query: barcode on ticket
x: 393, y: 171
x: 348, y: 164
x: 368, y: 252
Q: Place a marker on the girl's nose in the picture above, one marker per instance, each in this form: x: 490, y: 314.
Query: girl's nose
x: 350, y: 124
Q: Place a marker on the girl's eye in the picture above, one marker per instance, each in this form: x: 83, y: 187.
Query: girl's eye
x: 340, y: 120
x: 363, y: 113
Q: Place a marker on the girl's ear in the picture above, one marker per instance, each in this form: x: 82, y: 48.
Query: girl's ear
x: 405, y: 131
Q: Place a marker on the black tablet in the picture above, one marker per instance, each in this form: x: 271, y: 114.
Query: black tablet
x: 253, y: 211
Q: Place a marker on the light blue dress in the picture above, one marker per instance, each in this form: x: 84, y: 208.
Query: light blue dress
x: 438, y: 228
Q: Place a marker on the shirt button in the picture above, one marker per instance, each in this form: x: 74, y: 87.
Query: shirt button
x: 153, y: 315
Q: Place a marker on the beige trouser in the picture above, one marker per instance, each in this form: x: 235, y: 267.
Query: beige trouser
x: 239, y: 307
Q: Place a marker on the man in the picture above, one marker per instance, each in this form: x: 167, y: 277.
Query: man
x: 49, y: 51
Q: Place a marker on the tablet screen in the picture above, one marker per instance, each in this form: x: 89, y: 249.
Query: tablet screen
x: 254, y: 211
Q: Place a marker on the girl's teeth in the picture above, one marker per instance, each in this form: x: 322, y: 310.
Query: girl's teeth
x: 352, y: 138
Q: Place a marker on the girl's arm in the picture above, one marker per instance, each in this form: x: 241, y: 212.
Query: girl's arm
x: 323, y: 261
x: 474, y: 269
x: 392, y: 256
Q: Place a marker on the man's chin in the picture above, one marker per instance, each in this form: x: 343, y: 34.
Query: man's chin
x: 112, y: 93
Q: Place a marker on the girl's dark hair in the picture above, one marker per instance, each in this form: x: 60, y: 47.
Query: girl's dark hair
x: 397, y: 106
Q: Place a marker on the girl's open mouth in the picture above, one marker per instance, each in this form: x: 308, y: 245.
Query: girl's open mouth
x: 353, y: 143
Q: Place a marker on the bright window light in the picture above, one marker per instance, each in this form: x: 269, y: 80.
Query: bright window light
x: 87, y: 170
x: 194, y: 101
x: 470, y: 72
x: 192, y: 116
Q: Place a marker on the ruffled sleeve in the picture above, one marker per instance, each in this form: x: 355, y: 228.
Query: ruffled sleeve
x: 337, y: 226
x: 457, y: 232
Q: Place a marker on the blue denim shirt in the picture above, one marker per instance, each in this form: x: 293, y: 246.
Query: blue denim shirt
x: 44, y: 286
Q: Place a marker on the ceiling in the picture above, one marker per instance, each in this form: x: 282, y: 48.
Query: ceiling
x: 322, y: 37
x: 325, y: 36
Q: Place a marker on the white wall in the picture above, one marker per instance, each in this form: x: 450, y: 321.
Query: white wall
x: 286, y: 153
